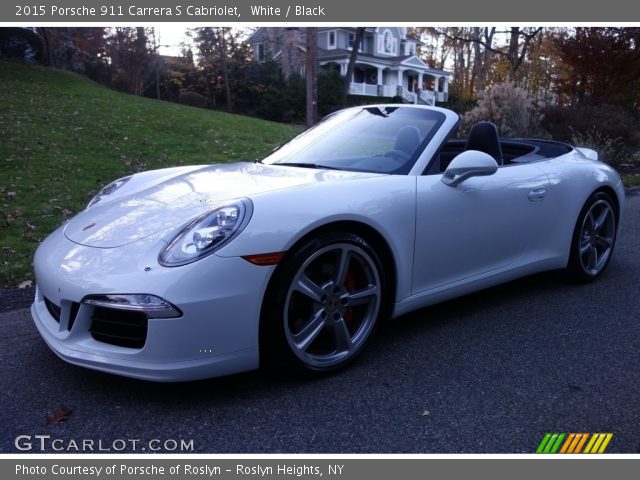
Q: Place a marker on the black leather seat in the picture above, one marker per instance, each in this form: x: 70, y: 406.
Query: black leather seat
x: 408, y: 140
x: 483, y: 136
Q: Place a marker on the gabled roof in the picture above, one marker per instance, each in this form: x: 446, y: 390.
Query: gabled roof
x: 260, y: 35
x: 279, y: 52
x: 413, y: 61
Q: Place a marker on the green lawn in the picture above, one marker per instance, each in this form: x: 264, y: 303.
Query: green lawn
x: 63, y: 137
x: 631, y: 180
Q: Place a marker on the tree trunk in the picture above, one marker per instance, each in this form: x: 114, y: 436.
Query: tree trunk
x: 222, y: 44
x: 513, y: 51
x: 476, y: 81
x: 486, y: 61
x: 141, y: 53
x: 353, y: 58
x: 47, y: 48
x: 158, y: 96
x: 311, y: 75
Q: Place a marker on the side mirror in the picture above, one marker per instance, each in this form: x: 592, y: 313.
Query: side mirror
x: 471, y: 163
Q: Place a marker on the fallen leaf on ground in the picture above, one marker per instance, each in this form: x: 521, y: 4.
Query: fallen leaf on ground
x: 25, y: 284
x: 425, y: 413
x: 60, y: 415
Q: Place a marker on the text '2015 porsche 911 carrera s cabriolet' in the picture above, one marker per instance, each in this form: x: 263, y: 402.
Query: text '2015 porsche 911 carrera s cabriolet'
x: 292, y: 261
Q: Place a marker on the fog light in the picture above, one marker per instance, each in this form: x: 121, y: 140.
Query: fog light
x: 150, y: 305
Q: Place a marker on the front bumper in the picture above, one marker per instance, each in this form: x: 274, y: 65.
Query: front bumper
x: 220, y: 299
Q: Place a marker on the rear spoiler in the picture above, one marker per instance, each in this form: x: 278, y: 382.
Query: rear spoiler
x: 589, y: 153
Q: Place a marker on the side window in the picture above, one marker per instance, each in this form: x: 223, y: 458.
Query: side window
x: 260, y: 52
x: 332, y: 39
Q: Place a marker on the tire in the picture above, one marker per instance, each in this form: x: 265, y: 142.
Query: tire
x: 323, y: 305
x: 594, y: 238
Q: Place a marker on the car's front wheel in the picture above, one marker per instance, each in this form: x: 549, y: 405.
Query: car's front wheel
x: 323, y: 304
x: 593, y: 239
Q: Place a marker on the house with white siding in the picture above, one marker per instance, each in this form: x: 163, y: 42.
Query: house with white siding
x: 386, y: 66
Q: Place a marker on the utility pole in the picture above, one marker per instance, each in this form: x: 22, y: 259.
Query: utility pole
x: 311, y: 76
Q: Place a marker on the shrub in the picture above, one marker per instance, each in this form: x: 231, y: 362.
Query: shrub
x: 192, y: 99
x: 21, y: 44
x: 331, y: 95
x: 605, y: 128
x: 609, y: 149
x: 509, y: 107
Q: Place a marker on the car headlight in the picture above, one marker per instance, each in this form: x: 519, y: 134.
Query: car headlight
x: 108, y: 190
x: 207, y: 233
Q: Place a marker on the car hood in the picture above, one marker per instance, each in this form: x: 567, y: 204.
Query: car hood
x: 172, y: 200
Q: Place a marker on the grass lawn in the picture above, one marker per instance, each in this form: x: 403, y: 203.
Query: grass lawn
x: 63, y: 137
x: 631, y: 180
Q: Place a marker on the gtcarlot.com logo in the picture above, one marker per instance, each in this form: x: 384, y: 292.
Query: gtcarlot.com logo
x: 45, y: 443
x: 574, y: 443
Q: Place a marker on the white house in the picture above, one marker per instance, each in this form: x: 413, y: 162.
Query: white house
x: 386, y: 65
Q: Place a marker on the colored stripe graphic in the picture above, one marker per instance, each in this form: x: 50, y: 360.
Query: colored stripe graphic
x: 543, y: 443
x: 574, y: 443
x: 598, y: 443
x: 550, y: 443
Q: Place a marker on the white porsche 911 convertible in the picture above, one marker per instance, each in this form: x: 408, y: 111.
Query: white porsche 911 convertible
x: 293, y: 261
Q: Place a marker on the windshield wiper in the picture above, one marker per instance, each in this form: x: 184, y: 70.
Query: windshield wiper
x: 307, y: 165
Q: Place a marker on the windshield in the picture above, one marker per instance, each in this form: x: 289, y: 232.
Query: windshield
x: 372, y: 139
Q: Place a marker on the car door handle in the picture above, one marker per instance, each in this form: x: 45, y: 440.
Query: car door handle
x: 536, y: 194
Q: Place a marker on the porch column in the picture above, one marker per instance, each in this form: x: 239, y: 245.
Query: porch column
x: 435, y: 83
x: 343, y: 69
x: 420, y: 84
x: 400, y: 86
x: 380, y: 88
x: 446, y: 85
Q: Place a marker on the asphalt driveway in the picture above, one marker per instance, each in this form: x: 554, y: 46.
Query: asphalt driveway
x: 491, y: 372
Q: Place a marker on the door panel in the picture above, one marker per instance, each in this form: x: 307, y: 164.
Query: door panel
x: 483, y: 224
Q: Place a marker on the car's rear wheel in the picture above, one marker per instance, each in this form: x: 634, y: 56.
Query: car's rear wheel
x: 593, y: 239
x: 323, y: 304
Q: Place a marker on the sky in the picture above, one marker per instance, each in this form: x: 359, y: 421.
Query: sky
x: 172, y: 34
x: 170, y: 37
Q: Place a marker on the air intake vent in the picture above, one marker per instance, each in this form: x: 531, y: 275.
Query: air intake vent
x: 54, y: 310
x: 119, y: 327
x: 73, y: 313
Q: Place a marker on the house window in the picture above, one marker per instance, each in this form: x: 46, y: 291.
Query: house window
x: 388, y: 42
x: 332, y: 39
x: 352, y: 39
x: 260, y: 52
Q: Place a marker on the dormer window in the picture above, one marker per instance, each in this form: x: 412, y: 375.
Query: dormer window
x: 332, y: 39
x: 388, y: 42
